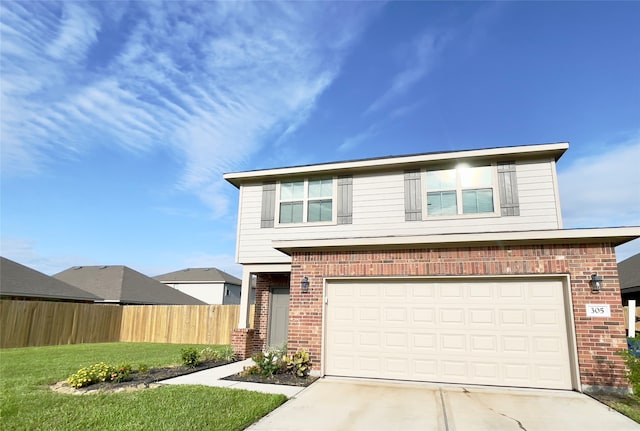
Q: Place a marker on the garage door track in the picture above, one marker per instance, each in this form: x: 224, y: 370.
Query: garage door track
x: 354, y: 405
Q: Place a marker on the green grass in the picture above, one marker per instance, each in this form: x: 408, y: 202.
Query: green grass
x: 628, y: 405
x: 27, y: 403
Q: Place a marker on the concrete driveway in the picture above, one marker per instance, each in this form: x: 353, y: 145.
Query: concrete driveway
x: 353, y: 405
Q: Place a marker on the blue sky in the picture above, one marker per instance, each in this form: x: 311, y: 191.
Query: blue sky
x: 118, y: 119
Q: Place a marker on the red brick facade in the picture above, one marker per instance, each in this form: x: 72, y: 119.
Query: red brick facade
x: 597, y: 338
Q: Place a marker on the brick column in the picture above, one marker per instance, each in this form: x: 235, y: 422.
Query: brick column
x: 242, y: 342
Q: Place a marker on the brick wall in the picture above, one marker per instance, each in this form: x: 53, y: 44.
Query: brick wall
x: 597, y: 338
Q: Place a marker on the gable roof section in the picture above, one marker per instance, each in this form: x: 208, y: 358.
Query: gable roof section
x: 194, y: 275
x: 17, y: 280
x: 122, y: 284
x: 629, y: 272
x: 413, y: 161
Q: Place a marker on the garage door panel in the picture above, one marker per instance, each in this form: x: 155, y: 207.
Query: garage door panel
x: 424, y: 343
x: 482, y: 317
x: 395, y: 315
x: 450, y: 292
x: 509, y: 333
x: 514, y: 318
x: 423, y: 316
x: 485, y: 370
x: 452, y: 317
x: 482, y: 293
x: 422, y: 292
x: 484, y: 343
x: 514, y: 344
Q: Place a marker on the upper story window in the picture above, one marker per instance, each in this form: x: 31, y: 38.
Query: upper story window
x: 462, y: 190
x: 308, y: 200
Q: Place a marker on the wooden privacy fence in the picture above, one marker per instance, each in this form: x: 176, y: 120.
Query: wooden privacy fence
x: 45, y: 323
x: 199, y: 324
x: 626, y: 318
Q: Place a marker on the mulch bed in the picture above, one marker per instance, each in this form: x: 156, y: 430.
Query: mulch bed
x: 277, y: 379
x: 137, y: 380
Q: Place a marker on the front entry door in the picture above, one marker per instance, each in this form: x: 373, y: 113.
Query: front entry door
x: 279, y: 317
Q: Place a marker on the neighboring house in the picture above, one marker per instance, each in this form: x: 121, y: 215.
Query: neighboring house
x: 207, y: 284
x: 21, y: 282
x: 122, y: 285
x: 629, y: 271
x: 445, y: 267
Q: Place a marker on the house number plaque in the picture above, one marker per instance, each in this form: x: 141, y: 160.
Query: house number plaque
x: 598, y: 310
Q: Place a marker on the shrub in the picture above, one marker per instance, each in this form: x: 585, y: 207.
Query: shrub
x: 209, y: 354
x: 121, y: 373
x: 633, y: 364
x: 227, y: 354
x: 143, y: 368
x: 253, y: 370
x: 96, y: 373
x: 190, y: 357
x: 299, y: 363
x: 269, y: 363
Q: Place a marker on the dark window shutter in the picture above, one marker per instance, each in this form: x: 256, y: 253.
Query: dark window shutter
x: 412, y: 196
x: 268, y: 213
x: 508, y: 187
x: 345, y: 200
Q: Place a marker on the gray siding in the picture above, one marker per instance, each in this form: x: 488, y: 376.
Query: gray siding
x: 378, y: 209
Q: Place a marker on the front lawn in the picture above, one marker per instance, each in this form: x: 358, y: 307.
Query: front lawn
x: 628, y: 405
x: 27, y: 403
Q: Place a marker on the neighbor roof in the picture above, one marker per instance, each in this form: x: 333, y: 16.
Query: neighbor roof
x: 192, y: 275
x: 629, y: 273
x: 406, y: 161
x: 122, y: 284
x: 17, y: 280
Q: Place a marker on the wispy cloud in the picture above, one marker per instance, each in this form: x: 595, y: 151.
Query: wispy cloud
x: 602, y: 189
x: 353, y: 141
x: 378, y: 127
x: 422, y: 54
x: 210, y: 80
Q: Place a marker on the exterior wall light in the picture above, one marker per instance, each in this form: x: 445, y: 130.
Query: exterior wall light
x: 304, y: 284
x: 596, y: 283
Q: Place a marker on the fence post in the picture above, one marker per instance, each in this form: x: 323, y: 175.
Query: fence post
x: 631, y: 309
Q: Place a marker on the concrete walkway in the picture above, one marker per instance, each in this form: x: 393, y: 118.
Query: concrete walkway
x: 213, y: 376
x: 353, y: 405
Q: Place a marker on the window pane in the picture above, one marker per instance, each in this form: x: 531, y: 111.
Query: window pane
x: 320, y: 188
x: 320, y: 211
x: 485, y: 200
x: 475, y: 178
x: 291, y: 212
x: 293, y: 190
x: 441, y: 180
x: 477, y: 201
x: 441, y: 203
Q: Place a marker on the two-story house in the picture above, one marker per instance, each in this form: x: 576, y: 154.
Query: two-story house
x: 444, y: 267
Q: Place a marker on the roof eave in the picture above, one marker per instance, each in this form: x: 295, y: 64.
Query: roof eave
x: 615, y: 236
x: 555, y: 150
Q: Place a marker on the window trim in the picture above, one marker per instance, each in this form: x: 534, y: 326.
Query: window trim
x: 458, y: 190
x: 305, y: 203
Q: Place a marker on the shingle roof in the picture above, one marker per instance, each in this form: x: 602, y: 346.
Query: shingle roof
x: 629, y: 272
x: 198, y: 275
x: 122, y: 284
x: 21, y: 281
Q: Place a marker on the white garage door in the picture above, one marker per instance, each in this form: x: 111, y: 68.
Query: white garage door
x: 507, y: 333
